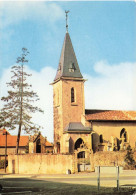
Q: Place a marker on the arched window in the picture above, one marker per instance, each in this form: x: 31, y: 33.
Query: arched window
x: 72, y: 95
x: 123, y: 134
x: 101, y: 138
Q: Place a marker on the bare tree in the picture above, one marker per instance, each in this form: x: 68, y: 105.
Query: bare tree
x: 19, y: 102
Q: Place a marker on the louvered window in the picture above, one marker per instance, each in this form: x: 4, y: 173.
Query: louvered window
x: 72, y: 95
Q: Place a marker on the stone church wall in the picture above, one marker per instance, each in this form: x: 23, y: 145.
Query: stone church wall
x: 40, y: 163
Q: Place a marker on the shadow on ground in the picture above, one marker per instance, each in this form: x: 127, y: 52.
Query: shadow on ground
x: 34, y: 186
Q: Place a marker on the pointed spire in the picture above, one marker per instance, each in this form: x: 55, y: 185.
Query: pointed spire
x: 68, y: 65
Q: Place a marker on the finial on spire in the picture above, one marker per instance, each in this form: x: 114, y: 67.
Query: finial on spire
x: 67, y: 20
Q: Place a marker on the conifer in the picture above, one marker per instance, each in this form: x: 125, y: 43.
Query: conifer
x: 18, y: 106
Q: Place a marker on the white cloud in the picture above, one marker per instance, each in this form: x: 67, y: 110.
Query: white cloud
x: 113, y: 88
x: 16, y: 11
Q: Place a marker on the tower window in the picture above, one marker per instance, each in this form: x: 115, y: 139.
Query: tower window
x: 72, y: 67
x: 72, y: 95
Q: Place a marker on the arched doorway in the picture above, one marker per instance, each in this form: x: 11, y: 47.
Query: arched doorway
x: 58, y: 147
x: 79, y: 143
x: 81, y: 154
x: 38, y: 146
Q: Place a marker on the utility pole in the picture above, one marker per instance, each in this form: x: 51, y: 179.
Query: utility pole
x: 118, y: 178
x: 98, y: 177
x: 5, y: 151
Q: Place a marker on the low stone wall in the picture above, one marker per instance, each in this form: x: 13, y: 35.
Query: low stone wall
x: 40, y: 163
x: 110, y: 158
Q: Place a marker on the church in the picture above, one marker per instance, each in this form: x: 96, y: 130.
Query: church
x: 77, y: 129
x: 83, y: 138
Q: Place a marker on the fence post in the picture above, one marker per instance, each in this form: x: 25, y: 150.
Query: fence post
x: 98, y: 177
x: 118, y: 178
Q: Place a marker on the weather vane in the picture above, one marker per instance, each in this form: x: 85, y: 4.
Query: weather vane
x: 67, y: 20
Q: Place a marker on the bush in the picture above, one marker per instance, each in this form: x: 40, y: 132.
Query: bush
x: 129, y: 159
x: 2, y: 164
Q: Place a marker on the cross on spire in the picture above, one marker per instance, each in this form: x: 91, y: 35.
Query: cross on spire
x: 66, y: 12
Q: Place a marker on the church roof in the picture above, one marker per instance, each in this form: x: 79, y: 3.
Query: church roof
x: 110, y: 115
x: 76, y: 127
x: 68, y: 65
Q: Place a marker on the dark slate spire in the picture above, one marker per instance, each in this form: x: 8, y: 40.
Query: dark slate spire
x: 68, y: 65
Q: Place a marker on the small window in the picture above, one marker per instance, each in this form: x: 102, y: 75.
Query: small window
x: 72, y: 95
x: 101, y: 138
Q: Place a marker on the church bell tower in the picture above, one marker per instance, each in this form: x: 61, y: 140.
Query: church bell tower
x: 68, y: 95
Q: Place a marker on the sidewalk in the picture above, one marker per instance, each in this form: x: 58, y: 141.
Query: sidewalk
x: 126, y: 173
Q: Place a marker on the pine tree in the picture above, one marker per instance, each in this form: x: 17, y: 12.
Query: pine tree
x: 17, y: 110
x: 129, y: 159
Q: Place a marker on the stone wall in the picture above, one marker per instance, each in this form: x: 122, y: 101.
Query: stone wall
x: 12, y: 150
x: 110, y: 158
x: 40, y: 163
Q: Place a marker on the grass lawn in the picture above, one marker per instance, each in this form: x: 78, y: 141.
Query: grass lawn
x: 41, y: 187
x: 74, y: 189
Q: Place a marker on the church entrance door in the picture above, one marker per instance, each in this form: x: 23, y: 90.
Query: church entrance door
x: 83, y: 156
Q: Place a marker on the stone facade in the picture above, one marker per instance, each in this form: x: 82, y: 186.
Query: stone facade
x: 40, y: 144
x: 111, y: 135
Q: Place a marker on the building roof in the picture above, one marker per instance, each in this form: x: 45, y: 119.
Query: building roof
x: 12, y: 140
x: 68, y: 65
x: 47, y: 143
x: 35, y: 137
x: 76, y: 126
x: 110, y: 115
x: 3, y: 132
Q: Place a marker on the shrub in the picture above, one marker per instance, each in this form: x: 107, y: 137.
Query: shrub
x: 2, y: 164
x: 129, y: 159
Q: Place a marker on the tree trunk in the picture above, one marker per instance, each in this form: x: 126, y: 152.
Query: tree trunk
x: 18, y: 138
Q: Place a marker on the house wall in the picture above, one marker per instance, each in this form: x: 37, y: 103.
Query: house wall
x: 41, y: 163
x: 12, y: 150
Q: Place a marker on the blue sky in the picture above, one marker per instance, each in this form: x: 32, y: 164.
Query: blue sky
x: 99, y: 31
x: 104, y: 39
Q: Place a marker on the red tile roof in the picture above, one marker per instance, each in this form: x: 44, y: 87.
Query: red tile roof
x: 3, y: 132
x: 12, y: 140
x: 110, y: 115
x: 47, y: 143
